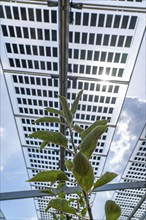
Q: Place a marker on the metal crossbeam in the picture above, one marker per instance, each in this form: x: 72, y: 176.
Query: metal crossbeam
x: 70, y: 190
x: 80, y: 5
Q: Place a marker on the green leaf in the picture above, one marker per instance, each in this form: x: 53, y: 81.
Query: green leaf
x: 62, y: 205
x: 47, y: 208
x: 49, y: 176
x: 106, y: 178
x: 81, y: 198
x: 49, y: 191
x: 51, y: 136
x: 80, y: 194
x: 78, y: 129
x: 94, y: 125
x: 76, y: 102
x: 55, y: 111
x: 84, y: 211
x: 81, y: 201
x: 61, y: 195
x: 67, y: 113
x: 47, y: 119
x: 55, y: 216
x: 60, y: 184
x: 62, y: 217
x: 112, y: 210
x: 43, y: 144
x: 71, y: 200
x: 83, y: 171
x: 89, y: 143
x: 69, y: 165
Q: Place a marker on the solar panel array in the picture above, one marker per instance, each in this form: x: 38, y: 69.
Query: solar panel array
x: 103, y: 47
x: 134, y: 171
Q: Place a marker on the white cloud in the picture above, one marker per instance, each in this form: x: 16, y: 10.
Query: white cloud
x: 128, y: 130
x: 120, y: 147
x: 33, y: 218
x: 2, y: 132
x: 1, y: 168
x: 108, y: 195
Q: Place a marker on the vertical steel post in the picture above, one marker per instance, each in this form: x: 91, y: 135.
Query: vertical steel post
x: 63, y: 9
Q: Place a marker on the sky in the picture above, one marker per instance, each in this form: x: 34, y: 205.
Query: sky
x: 12, y: 167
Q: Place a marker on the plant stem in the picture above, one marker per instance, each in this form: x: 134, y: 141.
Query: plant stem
x: 88, y: 205
x: 72, y: 140
x: 78, y: 207
x: 70, y: 151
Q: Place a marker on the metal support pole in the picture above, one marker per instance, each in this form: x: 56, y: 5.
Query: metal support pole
x: 71, y: 190
x: 63, y: 9
x: 137, y: 207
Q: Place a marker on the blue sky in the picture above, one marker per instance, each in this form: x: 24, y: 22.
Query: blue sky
x: 13, y: 171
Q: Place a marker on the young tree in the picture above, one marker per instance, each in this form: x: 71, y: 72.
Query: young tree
x: 80, y: 165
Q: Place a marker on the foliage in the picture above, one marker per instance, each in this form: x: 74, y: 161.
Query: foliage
x: 112, y: 210
x: 80, y: 166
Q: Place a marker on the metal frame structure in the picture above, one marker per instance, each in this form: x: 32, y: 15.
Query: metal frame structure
x: 79, y: 5
x: 2, y: 217
x: 63, y: 9
x: 71, y: 190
